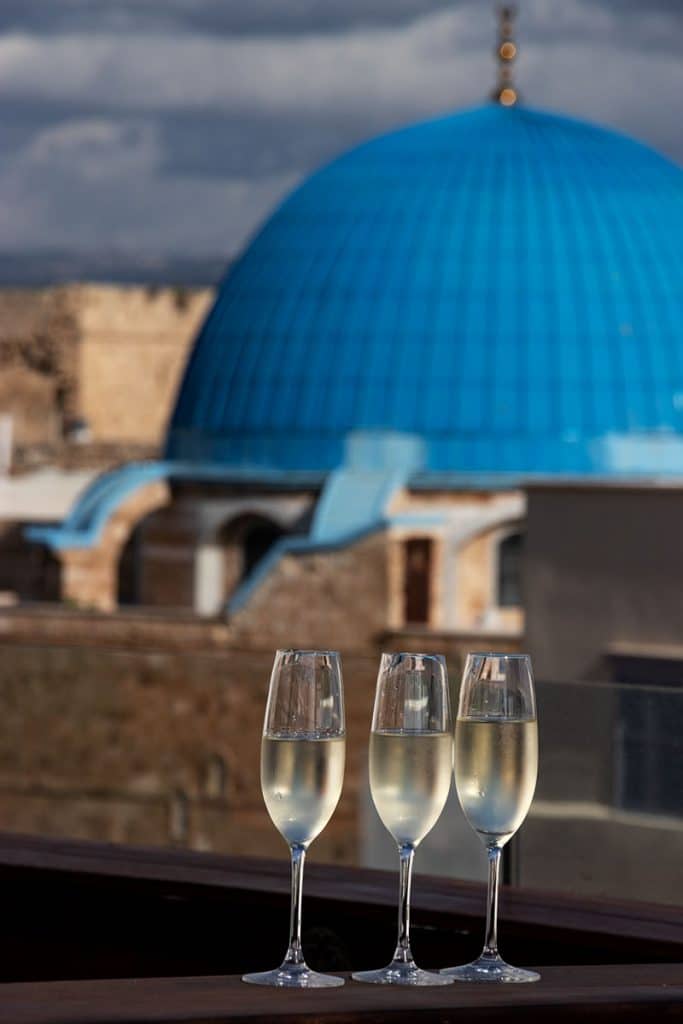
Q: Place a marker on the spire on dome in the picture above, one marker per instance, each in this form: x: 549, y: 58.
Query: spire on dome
x: 505, y: 92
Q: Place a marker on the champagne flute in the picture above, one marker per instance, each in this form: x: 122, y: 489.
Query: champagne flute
x: 302, y: 770
x: 496, y: 763
x: 411, y: 761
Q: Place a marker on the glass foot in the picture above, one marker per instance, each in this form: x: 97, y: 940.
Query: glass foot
x: 490, y: 969
x: 293, y: 976
x: 401, y: 974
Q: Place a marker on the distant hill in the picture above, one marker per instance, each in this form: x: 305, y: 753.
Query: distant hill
x: 43, y: 268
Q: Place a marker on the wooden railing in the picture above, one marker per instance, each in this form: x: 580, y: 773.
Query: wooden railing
x: 73, y: 912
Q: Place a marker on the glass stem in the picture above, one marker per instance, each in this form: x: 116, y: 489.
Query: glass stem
x: 490, y: 950
x: 403, y: 953
x: 294, y: 954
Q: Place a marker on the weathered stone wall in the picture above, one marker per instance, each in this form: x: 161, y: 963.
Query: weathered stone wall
x: 476, y: 564
x: 111, y: 355
x: 108, y: 744
x: 168, y: 543
x: 454, y: 646
x: 112, y: 726
x: 38, y: 378
x: 30, y: 398
x: 330, y: 599
x: 134, y: 344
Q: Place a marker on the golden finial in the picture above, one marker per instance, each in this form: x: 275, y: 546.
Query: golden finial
x: 505, y: 92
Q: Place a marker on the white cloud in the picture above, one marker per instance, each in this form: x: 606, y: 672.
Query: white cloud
x: 438, y: 62
x: 96, y: 183
x: 96, y: 149
x: 102, y: 178
x: 282, y: 73
x: 223, y: 17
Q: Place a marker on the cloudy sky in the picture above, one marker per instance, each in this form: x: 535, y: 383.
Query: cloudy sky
x: 170, y: 127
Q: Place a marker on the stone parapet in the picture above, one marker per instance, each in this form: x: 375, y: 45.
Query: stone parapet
x: 52, y: 625
x: 122, y: 745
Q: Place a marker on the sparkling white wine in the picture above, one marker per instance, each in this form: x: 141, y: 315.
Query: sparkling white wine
x: 496, y: 763
x: 410, y: 775
x: 301, y: 781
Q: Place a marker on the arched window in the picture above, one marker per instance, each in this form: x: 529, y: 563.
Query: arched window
x: 245, y: 541
x: 509, y: 584
x: 258, y: 539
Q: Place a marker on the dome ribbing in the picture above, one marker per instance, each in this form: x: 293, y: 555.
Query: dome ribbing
x: 505, y: 284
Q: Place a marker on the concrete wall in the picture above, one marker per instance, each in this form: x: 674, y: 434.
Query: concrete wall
x: 606, y: 795
x: 603, y: 568
x: 622, y: 856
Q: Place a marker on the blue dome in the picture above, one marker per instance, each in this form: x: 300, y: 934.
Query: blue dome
x: 504, y: 284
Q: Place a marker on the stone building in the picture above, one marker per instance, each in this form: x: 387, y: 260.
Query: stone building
x: 427, y: 323
x: 89, y: 372
x: 88, y: 375
x: 426, y: 326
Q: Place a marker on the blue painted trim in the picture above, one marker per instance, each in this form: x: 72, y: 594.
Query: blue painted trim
x: 283, y: 479
x: 85, y: 523
x: 311, y: 546
x: 350, y: 500
x: 410, y: 520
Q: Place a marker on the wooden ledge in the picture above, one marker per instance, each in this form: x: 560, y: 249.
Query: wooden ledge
x: 75, y: 913
x: 643, y: 992
x: 366, y: 887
